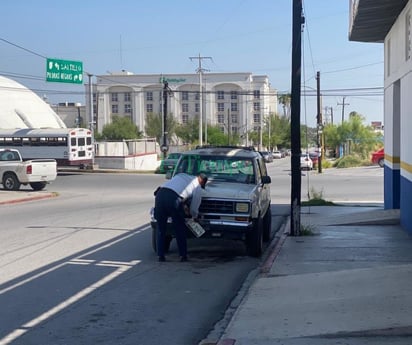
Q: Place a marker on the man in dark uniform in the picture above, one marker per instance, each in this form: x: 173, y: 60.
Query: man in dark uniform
x: 169, y: 202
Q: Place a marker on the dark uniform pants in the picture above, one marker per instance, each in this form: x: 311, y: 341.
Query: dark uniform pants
x: 169, y: 204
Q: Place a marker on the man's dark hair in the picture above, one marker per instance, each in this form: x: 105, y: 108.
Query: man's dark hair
x: 203, y: 176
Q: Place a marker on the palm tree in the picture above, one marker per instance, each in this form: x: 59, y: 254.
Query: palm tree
x: 285, y: 99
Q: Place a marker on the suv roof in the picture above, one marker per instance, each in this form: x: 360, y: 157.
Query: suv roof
x: 233, y: 151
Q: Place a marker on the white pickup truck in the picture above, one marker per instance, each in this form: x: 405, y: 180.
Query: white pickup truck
x: 15, y: 172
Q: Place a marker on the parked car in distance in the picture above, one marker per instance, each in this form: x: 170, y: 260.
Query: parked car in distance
x: 15, y: 172
x: 305, y: 162
x: 267, y: 156
x: 169, y: 163
x: 314, y: 156
x: 277, y: 154
x: 378, y: 157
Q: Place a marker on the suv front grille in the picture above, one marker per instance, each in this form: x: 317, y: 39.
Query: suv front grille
x: 216, y: 206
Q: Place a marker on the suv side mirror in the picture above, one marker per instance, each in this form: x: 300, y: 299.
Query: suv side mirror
x: 266, y: 179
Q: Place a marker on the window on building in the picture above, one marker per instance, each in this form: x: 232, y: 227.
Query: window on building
x: 408, y: 35
x: 185, y: 118
x: 256, y: 118
x: 233, y: 95
x: 149, y: 96
x: 222, y: 129
x: 197, y: 95
x: 233, y: 118
x: 128, y: 108
x: 220, y: 118
x: 185, y: 96
x: 233, y: 106
x: 115, y: 97
x: 94, y: 97
x: 256, y: 128
x: 256, y: 106
x: 185, y: 107
x: 127, y: 97
x: 149, y: 108
x: 197, y: 107
x: 256, y: 94
x: 221, y: 107
x: 234, y: 129
x: 221, y: 95
x: 115, y: 109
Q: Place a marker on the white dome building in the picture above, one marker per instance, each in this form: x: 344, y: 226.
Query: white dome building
x: 22, y: 108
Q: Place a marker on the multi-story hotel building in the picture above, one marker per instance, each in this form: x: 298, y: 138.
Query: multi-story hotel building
x: 236, y: 101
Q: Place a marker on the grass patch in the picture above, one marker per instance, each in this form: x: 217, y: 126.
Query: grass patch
x: 317, y: 202
x: 307, y: 230
x: 316, y: 199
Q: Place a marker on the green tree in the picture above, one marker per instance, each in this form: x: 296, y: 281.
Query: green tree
x: 353, y: 135
x: 188, y: 132
x: 154, y: 126
x: 215, y: 136
x: 121, y: 128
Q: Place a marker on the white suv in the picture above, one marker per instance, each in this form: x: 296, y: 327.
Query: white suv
x: 236, y: 201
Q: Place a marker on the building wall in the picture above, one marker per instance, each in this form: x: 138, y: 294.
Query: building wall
x: 398, y: 117
x: 145, y: 95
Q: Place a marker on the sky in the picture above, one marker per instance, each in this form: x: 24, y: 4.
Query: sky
x: 155, y: 37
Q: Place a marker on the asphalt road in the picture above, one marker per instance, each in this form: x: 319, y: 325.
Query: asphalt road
x: 79, y: 269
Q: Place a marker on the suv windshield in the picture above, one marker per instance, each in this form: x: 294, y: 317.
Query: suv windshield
x: 227, y: 169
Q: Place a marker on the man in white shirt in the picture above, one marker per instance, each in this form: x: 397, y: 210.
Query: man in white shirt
x: 169, y: 202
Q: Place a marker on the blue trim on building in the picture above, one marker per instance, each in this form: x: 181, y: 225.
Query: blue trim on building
x: 392, y: 191
x: 406, y: 202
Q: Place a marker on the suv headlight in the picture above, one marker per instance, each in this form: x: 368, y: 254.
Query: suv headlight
x: 242, y: 207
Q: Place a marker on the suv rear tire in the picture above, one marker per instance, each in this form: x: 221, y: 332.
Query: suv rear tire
x: 254, y: 239
x: 267, y: 225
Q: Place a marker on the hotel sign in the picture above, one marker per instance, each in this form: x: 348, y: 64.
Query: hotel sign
x: 172, y: 80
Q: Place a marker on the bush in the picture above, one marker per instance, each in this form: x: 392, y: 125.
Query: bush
x: 350, y: 161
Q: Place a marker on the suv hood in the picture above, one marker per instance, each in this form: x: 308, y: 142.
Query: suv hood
x: 228, y: 190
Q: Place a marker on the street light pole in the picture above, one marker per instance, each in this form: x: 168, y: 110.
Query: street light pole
x: 270, y: 124
x: 261, y: 132
x: 79, y: 118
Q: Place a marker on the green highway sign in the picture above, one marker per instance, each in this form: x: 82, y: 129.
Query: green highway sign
x: 64, y: 71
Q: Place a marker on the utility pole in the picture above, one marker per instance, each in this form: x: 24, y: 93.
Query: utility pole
x: 261, y: 131
x: 331, y: 115
x: 343, y: 108
x: 228, y: 126
x: 166, y: 92
x: 200, y: 70
x: 319, y: 122
x: 298, y: 21
x: 270, y: 124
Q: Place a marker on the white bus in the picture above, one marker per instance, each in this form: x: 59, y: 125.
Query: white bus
x: 68, y: 146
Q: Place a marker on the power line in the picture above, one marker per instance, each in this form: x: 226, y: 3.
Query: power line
x: 20, y: 47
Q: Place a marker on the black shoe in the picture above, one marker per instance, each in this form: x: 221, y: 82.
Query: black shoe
x: 162, y: 259
x: 183, y: 258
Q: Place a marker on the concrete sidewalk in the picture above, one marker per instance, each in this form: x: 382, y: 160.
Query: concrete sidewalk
x: 349, y: 283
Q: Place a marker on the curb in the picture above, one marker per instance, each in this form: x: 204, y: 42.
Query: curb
x: 275, y: 248
x: 30, y: 198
